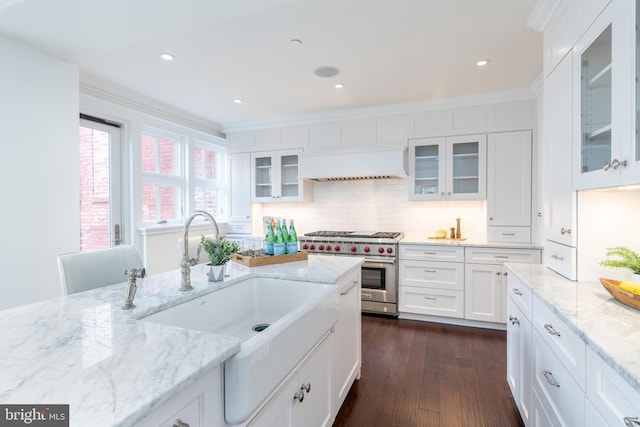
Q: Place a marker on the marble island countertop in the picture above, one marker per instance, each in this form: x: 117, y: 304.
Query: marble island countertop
x: 609, y: 327
x: 111, y: 368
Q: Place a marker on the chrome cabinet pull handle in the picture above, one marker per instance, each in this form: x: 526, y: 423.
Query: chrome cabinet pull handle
x: 430, y: 298
x: 517, y: 291
x: 429, y: 271
x: 559, y: 258
x: 430, y: 253
x: 355, y: 283
x: 606, y: 166
x: 514, y: 320
x: 180, y: 423
x: 549, y: 377
x: 299, y: 396
x: 498, y: 273
x: 631, y: 421
x: 306, y: 387
x: 616, y: 164
x: 502, y: 256
x: 508, y: 234
x: 564, y: 231
x: 549, y: 327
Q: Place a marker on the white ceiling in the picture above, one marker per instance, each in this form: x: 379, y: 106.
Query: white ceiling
x: 388, y: 51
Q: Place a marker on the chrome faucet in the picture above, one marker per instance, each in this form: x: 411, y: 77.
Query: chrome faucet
x: 130, y: 292
x: 186, y: 263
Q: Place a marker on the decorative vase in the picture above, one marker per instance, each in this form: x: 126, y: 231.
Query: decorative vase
x: 216, y: 272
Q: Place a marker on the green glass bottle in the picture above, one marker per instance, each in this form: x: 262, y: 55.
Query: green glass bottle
x: 292, y: 241
x: 269, y: 241
x: 278, y: 244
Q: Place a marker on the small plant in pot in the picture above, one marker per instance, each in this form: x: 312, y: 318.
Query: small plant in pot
x: 220, y: 252
x: 626, y: 259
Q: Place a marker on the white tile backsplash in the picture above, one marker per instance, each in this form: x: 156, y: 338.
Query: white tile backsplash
x: 378, y: 205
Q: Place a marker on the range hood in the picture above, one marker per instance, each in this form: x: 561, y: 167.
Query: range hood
x: 379, y: 163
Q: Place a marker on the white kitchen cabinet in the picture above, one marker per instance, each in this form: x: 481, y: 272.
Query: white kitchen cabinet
x: 274, y: 177
x: 606, y: 152
x: 240, y: 193
x: 306, y: 397
x: 199, y: 405
x: 509, y: 185
x: 519, y: 358
x: 451, y: 168
x: 357, y: 133
x: 485, y: 280
x: 391, y: 131
x: 614, y: 400
x: 348, y: 358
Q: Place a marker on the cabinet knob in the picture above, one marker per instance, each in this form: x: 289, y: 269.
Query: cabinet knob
x: 631, y: 421
x: 180, y: 423
x: 606, y: 166
x: 498, y: 273
x: 616, y: 164
x: 490, y: 218
x: 299, y: 396
x: 306, y: 387
x: 564, y: 231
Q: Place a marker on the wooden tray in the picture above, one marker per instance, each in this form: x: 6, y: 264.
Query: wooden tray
x: 622, y: 295
x: 447, y: 239
x: 268, y: 260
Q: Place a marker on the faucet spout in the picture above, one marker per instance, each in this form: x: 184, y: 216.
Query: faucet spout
x: 186, y: 263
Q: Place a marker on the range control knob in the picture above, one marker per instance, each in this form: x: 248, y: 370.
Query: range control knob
x: 380, y: 250
x: 328, y: 247
x: 336, y: 248
x: 353, y: 249
x: 321, y: 248
x: 312, y: 247
x: 305, y: 246
x: 389, y: 250
x: 366, y: 249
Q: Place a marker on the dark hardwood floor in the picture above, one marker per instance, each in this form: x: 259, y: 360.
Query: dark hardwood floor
x: 420, y: 374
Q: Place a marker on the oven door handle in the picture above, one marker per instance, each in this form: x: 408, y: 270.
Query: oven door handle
x: 378, y: 261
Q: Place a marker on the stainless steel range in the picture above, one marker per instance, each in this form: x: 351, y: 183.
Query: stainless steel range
x: 380, y: 269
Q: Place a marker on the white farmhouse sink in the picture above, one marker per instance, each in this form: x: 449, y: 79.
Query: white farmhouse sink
x: 297, y: 313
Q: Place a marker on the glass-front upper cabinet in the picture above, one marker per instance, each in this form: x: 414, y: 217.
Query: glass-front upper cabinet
x: 607, y: 97
x: 274, y: 177
x: 451, y: 168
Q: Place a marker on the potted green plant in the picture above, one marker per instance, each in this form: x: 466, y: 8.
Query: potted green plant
x: 220, y: 252
x: 626, y: 259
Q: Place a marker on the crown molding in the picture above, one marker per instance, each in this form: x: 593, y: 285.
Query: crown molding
x: 385, y: 110
x: 541, y: 13
x: 111, y: 92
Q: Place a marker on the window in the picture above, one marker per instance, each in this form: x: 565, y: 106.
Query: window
x: 162, y: 177
x: 179, y: 175
x: 207, y: 178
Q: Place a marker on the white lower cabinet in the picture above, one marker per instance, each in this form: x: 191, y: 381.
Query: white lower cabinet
x: 199, y: 405
x: 306, y: 398
x: 348, y: 338
x: 608, y: 395
x: 519, y: 358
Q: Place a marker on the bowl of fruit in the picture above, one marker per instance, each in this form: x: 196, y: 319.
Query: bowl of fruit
x: 627, y: 291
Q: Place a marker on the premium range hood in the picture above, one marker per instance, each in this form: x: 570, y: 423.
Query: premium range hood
x: 379, y: 163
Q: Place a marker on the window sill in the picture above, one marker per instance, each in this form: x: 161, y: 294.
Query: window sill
x: 154, y: 230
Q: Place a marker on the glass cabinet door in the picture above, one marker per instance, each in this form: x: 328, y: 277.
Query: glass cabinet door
x: 595, y: 98
x: 263, y: 183
x: 466, y: 175
x: 426, y: 168
x: 289, y: 176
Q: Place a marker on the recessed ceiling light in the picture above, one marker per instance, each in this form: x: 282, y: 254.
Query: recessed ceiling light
x: 295, y: 43
x: 327, y: 72
x: 338, y: 85
x: 167, y: 56
x: 237, y: 101
x: 482, y: 62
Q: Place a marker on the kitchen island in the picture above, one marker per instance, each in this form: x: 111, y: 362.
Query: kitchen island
x: 111, y: 368
x: 572, y: 355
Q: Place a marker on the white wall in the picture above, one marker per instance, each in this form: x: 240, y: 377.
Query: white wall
x: 375, y: 205
x: 606, y: 218
x: 39, y: 171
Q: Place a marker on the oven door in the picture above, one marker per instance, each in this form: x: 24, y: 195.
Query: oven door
x: 379, y: 284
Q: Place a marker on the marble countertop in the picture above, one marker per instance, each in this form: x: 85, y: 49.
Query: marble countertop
x: 112, y: 369
x: 610, y: 328
x: 416, y: 239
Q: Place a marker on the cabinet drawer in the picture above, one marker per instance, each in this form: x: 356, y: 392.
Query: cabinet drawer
x: 613, y: 397
x: 561, y: 259
x: 441, y: 275
x: 240, y: 227
x: 565, y: 344
x: 520, y: 294
x: 432, y: 253
x: 501, y: 255
x: 437, y: 302
x: 509, y: 234
x: 555, y: 387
